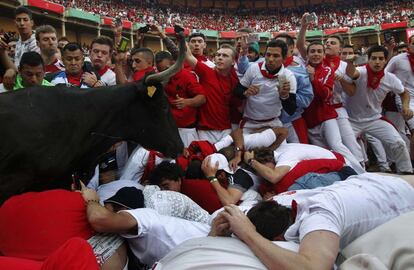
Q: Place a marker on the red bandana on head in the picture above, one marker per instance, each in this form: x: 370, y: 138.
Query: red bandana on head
x: 288, y: 61
x: 265, y: 73
x: 332, y: 61
x: 374, y: 78
x: 411, y: 60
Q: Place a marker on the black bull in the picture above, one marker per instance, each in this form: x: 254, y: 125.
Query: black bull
x: 49, y: 133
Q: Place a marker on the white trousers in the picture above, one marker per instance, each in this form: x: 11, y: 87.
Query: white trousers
x: 188, y: 135
x: 390, y: 139
x: 327, y: 135
x: 347, y: 134
x: 212, y: 136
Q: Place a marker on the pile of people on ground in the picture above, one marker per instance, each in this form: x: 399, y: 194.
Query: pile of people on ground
x: 274, y: 162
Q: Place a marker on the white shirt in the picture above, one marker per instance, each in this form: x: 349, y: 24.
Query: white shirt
x: 29, y: 45
x: 338, y: 91
x: 366, y: 104
x: 136, y: 164
x: 157, y: 234
x: 348, y: 208
x: 109, y: 78
x: 400, y: 66
x: 224, y: 253
x: 266, y: 104
x: 290, y: 154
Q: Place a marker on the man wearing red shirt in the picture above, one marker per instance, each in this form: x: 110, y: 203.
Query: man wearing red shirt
x: 47, y: 41
x: 214, y: 122
x: 185, y: 95
x: 197, y: 44
x: 321, y: 116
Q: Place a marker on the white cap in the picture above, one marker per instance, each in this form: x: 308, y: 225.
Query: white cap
x: 223, y: 163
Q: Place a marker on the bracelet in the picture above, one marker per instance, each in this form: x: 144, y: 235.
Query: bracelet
x: 89, y: 201
x: 213, y: 180
x: 211, y: 177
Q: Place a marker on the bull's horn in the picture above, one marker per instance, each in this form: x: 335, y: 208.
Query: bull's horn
x: 167, y: 74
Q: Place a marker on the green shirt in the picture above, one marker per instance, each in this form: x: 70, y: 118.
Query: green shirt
x: 19, y: 83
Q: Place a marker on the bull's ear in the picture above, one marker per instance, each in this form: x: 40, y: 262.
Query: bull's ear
x: 151, y: 90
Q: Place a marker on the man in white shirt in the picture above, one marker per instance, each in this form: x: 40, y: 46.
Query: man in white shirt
x: 268, y: 88
x: 364, y: 108
x: 328, y: 218
x: 402, y: 66
x: 100, y: 55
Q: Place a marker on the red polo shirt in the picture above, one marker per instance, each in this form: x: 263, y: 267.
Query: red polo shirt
x: 215, y: 113
x: 185, y: 85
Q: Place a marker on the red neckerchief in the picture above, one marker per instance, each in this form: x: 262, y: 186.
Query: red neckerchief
x: 265, y: 73
x: 411, y: 60
x: 332, y: 61
x: 150, y: 164
x: 374, y: 78
x: 102, y: 71
x: 138, y: 75
x: 74, y: 80
x: 201, y: 58
x: 288, y: 61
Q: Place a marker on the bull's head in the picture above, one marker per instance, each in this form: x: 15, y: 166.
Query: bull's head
x: 160, y: 132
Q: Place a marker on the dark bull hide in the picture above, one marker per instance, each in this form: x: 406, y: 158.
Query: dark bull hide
x: 48, y: 133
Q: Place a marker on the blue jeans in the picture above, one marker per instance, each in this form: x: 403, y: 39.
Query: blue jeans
x: 314, y: 180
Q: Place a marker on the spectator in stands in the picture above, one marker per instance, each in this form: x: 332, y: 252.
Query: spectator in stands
x: 364, y: 108
x: 197, y: 44
x: 73, y: 60
x: 266, y: 94
x: 100, y: 55
x: 31, y: 72
x: 185, y: 95
x: 214, y: 122
x: 47, y: 41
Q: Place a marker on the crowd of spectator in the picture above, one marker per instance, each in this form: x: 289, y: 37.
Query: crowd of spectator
x: 334, y: 15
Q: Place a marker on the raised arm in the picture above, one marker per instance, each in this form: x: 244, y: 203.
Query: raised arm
x: 302, y: 36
